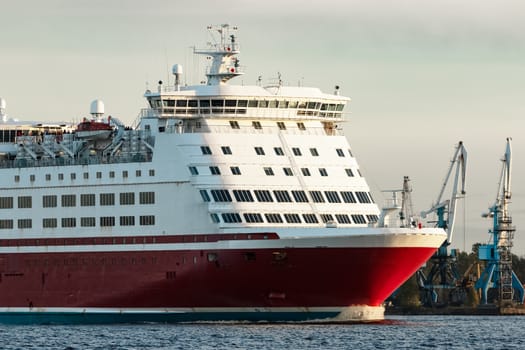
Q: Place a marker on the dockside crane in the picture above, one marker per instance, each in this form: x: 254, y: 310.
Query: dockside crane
x: 498, y: 274
x: 441, y: 285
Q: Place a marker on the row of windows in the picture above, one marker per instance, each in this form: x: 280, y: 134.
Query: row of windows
x: 206, y: 150
x: 206, y: 103
x: 104, y: 221
x: 292, y: 218
x: 283, y: 196
x: 86, y: 200
x: 235, y: 170
x: 85, y: 175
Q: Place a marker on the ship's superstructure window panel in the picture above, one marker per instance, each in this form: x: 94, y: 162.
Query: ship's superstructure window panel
x: 317, y: 196
x: 372, y: 218
x: 332, y: 196
x: 49, y: 223
x: 48, y: 177
x: 348, y: 197
x: 296, y: 151
x: 363, y: 197
x: 273, y: 218
x: 253, y: 217
x: 124, y: 174
x: 87, y: 200
x: 340, y: 152
x: 138, y: 173
x: 152, y: 172
x: 6, y: 224
x: 259, y: 151
x: 288, y: 171
x: 206, y: 150
x: 282, y: 196
x: 86, y: 176
x: 231, y: 218
x: 127, y: 221
x: 147, y: 220
x: 49, y: 201
x: 32, y: 178
x: 243, y: 196
x: 215, y: 218
x: 268, y: 171
x: 17, y: 178
x: 221, y: 195
x: 292, y: 218
x: 263, y: 195
x: 99, y: 175
x: 350, y: 152
x: 235, y: 170
x: 73, y: 176
x: 278, y: 151
x: 226, y: 150
x: 343, y: 219
x: 25, y: 223
x: 147, y: 197
x: 314, y: 152
x: 107, y: 221
x: 69, y: 200
x: 305, y: 171
x: 310, y: 218
x: 256, y: 125
x: 301, y: 126
x: 349, y: 172
x: 214, y: 170
x: 323, y: 172
x: 193, y: 170
x: 205, y: 196
x: 25, y: 202
x: 87, y: 221
x: 234, y: 124
x: 300, y: 196
x: 327, y: 218
x: 69, y: 222
x: 127, y: 198
x: 281, y: 125
x: 111, y: 174
x: 359, y: 172
x: 60, y: 176
x: 107, y: 199
x: 358, y: 219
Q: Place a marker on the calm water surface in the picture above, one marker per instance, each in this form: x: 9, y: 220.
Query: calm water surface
x: 411, y: 332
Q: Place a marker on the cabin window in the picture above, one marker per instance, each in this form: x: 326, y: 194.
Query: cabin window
x: 87, y: 222
x: 296, y: 151
x: 358, y: 219
x: 31, y: 178
x: 234, y: 124
x: 6, y: 202
x: 327, y: 218
x: 281, y: 125
x: 221, y: 195
x: 49, y: 201
x: 273, y: 218
x: 48, y: 177
x: 349, y: 172
x: 332, y: 196
x: 215, y: 218
x: 107, y: 199
x: 69, y: 200
x: 206, y: 150
x: 226, y: 150
x: 25, y: 223
x: 138, y: 173
x: 204, y: 195
x: 259, y: 151
x: 231, y: 217
x: 111, y: 174
x: 235, y: 170
x: 49, y: 222
x: 25, y: 202
x: 350, y: 152
x: 99, y: 175
x: 69, y: 222
x: 305, y: 171
x: 193, y: 170
x: 86, y: 176
x: 152, y: 172
x: 127, y: 198
x: 124, y: 173
x: 263, y: 195
x: 87, y: 200
x: 282, y: 196
x: 217, y: 103
x: 301, y: 126
x: 343, y: 219
x: 363, y: 197
x: 73, y: 176
x: 256, y: 125
x: 6, y: 224
x: 300, y: 196
x: 317, y: 196
x: 127, y: 221
x: 292, y: 218
x: 147, y: 197
x: 314, y: 152
x: 106, y: 221
x: 17, y: 178
x: 288, y: 171
x: 253, y: 217
x: 278, y: 151
x: 214, y: 170
x: 372, y: 218
x: 268, y: 171
x: 348, y: 197
x: 252, y: 103
x: 243, y: 195
x: 310, y: 218
x: 340, y: 152
x: 323, y: 172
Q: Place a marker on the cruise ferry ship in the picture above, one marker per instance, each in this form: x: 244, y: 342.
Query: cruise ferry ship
x: 223, y: 203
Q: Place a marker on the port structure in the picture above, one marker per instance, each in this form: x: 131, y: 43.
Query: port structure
x: 498, y: 274
x: 441, y: 284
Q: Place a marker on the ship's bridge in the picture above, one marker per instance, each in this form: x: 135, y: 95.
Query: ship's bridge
x: 231, y: 101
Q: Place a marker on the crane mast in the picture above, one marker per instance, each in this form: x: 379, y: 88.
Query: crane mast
x: 440, y: 285
x: 498, y: 274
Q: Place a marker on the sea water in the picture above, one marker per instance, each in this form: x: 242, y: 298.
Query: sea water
x: 397, y: 332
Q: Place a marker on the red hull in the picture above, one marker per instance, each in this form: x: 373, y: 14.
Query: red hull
x: 292, y: 277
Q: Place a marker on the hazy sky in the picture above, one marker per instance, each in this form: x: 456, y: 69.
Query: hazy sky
x: 422, y: 75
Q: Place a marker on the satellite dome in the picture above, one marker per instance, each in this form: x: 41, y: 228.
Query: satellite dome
x: 176, y: 69
x: 97, y: 108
